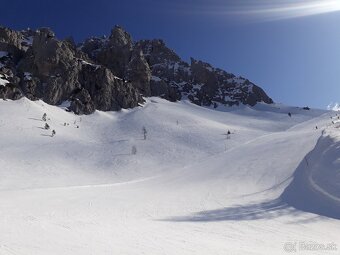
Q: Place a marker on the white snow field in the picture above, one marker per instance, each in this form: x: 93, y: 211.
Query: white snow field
x: 187, y: 190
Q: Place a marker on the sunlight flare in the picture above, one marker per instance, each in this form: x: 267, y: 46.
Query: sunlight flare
x: 278, y: 10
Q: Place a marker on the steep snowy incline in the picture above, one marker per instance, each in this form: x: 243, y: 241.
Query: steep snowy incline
x: 316, y: 185
x: 188, y: 189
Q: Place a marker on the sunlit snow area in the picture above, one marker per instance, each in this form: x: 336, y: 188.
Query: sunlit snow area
x: 98, y: 187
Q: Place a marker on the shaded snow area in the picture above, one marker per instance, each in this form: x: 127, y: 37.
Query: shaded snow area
x: 97, y: 187
x: 317, y: 179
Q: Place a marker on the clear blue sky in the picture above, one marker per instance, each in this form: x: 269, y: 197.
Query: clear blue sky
x: 291, y: 49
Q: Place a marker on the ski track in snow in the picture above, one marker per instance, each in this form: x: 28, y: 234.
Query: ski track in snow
x: 188, y: 190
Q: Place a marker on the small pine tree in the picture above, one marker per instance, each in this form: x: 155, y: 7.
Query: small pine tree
x: 44, y: 117
x: 144, y: 132
x: 53, y: 133
x: 133, y: 150
x: 47, y: 127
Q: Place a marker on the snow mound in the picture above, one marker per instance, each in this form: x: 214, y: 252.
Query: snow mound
x: 316, y: 184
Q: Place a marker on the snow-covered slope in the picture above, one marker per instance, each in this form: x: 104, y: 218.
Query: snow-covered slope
x: 190, y: 188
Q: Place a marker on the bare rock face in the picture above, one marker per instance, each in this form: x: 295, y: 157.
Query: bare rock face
x: 156, y: 70
x: 111, y: 73
x: 56, y: 71
x: 167, y: 69
x: 11, y: 41
x: 11, y: 51
x: 201, y: 83
x: 52, y: 67
x: 113, y: 52
x: 220, y: 87
x: 139, y: 73
x: 109, y: 92
x: 118, y: 54
x: 81, y: 102
x: 8, y: 90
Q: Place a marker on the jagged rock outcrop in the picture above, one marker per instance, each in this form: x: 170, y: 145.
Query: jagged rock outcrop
x: 139, y: 73
x: 110, y: 73
x: 54, y: 63
x: 167, y: 69
x: 173, y: 78
x: 113, y: 52
x: 56, y: 71
x: 218, y: 86
x: 7, y: 89
x: 109, y: 92
x: 81, y: 102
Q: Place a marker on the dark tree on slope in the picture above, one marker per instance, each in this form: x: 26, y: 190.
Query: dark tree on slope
x: 144, y: 132
x: 134, y: 150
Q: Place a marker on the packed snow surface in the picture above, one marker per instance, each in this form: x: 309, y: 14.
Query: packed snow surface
x: 191, y: 188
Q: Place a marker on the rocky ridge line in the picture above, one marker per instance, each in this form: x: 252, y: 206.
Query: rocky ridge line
x: 111, y: 73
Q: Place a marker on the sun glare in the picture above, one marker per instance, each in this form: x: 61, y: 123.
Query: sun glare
x: 278, y: 10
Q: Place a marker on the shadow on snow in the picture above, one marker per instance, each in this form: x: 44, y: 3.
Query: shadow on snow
x: 315, y: 188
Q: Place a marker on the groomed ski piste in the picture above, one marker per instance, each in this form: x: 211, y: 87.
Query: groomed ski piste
x: 188, y: 188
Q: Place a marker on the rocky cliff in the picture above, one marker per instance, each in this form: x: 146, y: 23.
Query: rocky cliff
x: 111, y: 73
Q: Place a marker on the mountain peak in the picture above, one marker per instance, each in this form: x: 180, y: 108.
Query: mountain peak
x: 112, y: 73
